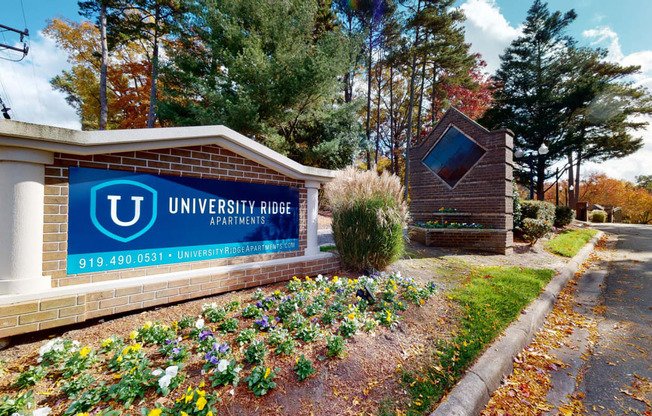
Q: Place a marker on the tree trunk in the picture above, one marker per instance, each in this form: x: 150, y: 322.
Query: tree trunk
x: 391, y: 115
x: 152, y: 92
x: 570, y: 181
x: 369, y: 96
x: 348, y: 88
x: 578, y: 163
x: 104, y: 103
x: 413, y: 66
x: 423, y: 82
x: 541, y: 178
x: 379, y: 71
x: 433, y: 105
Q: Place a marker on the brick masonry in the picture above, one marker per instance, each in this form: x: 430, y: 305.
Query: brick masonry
x: 484, y: 194
x: 207, y: 161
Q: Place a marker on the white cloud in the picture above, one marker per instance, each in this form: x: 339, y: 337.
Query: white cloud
x: 638, y: 163
x: 604, y: 36
x: 488, y: 31
x: 25, y: 86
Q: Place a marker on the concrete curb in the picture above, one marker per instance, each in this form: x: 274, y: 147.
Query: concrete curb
x: 473, y: 391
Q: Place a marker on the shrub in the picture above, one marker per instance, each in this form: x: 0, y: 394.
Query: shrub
x: 563, y: 215
x: 598, y: 216
x: 538, y: 219
x: 368, y: 218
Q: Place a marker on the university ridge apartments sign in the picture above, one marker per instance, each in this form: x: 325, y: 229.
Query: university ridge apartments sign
x: 121, y: 219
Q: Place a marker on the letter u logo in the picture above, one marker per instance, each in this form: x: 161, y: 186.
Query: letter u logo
x: 118, y: 206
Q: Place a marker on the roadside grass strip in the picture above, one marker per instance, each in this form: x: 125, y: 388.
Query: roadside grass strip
x: 569, y: 243
x: 490, y: 299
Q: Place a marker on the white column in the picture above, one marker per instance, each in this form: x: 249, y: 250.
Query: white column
x: 22, y: 176
x: 312, y: 225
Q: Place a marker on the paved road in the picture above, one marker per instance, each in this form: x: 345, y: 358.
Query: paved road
x: 619, y: 373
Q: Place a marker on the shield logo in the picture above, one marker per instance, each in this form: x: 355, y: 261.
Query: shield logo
x: 122, y: 209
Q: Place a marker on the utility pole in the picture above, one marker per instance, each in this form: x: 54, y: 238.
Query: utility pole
x: 4, y: 110
x: 22, y: 34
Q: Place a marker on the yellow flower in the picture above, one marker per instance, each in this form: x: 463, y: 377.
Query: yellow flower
x: 210, y: 413
x: 423, y: 302
x: 119, y: 358
x: 351, y: 315
x: 335, y: 279
x: 126, y: 350
x: 133, y: 334
x: 201, y: 403
x: 117, y: 376
x: 147, y: 325
x: 267, y: 373
x: 136, y: 347
x: 184, y: 413
x: 202, y: 384
x: 190, y: 396
x: 84, y: 352
x: 82, y: 414
x: 155, y: 412
x: 107, y: 342
x: 175, y: 325
x: 308, y: 279
x: 202, y: 393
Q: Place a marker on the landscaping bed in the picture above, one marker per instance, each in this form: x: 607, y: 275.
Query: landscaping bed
x: 385, y: 370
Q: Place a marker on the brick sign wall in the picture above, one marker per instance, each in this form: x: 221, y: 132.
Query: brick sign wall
x: 483, y: 195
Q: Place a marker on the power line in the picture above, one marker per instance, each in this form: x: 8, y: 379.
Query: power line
x: 4, y: 110
x: 22, y: 33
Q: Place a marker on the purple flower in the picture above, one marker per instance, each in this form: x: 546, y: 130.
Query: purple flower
x: 339, y: 291
x: 214, y: 360
x: 205, y: 334
x: 224, y: 348
x: 175, y: 351
x: 168, y: 341
x: 259, y: 304
x: 263, y: 322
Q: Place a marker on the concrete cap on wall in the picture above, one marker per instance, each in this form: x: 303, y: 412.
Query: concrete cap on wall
x: 59, y: 140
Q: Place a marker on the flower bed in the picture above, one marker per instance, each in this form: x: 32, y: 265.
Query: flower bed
x: 453, y: 225
x: 158, y: 362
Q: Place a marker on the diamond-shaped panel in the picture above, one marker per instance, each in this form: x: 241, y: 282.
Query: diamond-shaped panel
x: 453, y: 156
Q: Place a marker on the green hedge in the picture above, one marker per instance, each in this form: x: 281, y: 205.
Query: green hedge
x: 598, y: 216
x: 563, y: 216
x: 538, y: 219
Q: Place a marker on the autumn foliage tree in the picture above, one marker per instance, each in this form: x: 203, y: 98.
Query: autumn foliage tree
x: 128, y: 76
x: 635, y: 201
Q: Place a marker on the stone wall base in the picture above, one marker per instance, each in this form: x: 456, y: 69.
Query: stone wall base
x: 58, y: 307
x: 490, y: 240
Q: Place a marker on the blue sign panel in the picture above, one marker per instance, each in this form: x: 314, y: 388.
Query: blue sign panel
x: 120, y: 220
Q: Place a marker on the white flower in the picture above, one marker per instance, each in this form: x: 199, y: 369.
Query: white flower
x: 57, y: 347
x: 199, y: 324
x: 43, y: 411
x: 237, y: 369
x: 319, y: 278
x: 157, y: 372
x: 172, y: 371
x: 222, y: 365
x: 164, y: 381
x: 231, y: 392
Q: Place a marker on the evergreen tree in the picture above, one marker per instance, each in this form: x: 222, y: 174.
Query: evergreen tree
x: 257, y: 67
x: 530, y: 83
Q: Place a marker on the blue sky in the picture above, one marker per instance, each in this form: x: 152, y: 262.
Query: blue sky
x: 621, y: 26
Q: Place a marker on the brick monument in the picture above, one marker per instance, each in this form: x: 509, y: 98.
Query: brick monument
x: 462, y: 173
x: 104, y: 222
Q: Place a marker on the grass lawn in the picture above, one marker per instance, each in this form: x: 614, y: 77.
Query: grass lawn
x: 570, y: 242
x: 490, y: 299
